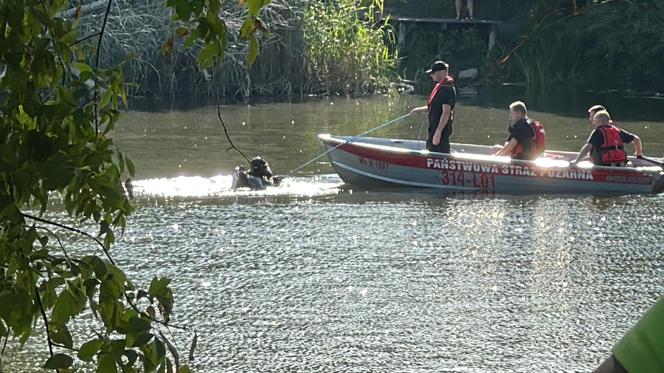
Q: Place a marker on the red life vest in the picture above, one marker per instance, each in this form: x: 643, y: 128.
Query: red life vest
x: 449, y: 81
x: 539, y: 141
x: 612, y: 149
x: 540, y: 136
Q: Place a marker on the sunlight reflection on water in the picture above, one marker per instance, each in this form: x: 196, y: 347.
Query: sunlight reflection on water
x: 220, y: 186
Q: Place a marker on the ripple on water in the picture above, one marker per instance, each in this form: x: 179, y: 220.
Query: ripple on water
x: 352, y: 283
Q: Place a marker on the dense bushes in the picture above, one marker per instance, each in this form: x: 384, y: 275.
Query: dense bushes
x: 312, y: 47
x: 604, y: 44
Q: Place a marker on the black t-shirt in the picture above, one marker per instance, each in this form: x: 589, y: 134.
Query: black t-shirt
x: 446, y: 95
x: 522, y: 131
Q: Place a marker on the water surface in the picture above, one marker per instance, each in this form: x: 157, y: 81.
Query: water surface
x: 314, y: 277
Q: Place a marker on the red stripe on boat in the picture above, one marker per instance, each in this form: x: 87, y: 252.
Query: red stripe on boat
x: 420, y: 161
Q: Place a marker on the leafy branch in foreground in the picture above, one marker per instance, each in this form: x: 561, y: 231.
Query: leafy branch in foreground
x: 58, y: 108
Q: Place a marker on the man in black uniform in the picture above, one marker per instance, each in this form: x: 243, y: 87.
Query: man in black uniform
x: 520, y: 143
x: 440, y: 106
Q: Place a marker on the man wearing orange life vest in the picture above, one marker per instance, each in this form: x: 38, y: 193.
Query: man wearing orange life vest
x: 607, y: 142
x: 526, y: 137
x: 440, y: 106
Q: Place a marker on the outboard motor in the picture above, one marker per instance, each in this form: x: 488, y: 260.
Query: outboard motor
x: 257, y: 178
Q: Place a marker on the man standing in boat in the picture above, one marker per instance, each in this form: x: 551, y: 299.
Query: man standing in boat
x: 440, y: 106
x: 607, y: 142
x: 527, y: 138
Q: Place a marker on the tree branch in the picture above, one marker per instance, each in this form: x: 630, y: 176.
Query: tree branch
x: 48, y: 333
x: 71, y: 229
x: 101, y: 37
x: 4, y: 345
x: 59, y: 242
x: 216, y: 96
x: 84, y: 39
x: 108, y: 255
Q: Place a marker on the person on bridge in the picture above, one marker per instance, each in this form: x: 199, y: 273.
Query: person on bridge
x: 471, y: 7
x: 440, y: 106
x: 527, y: 138
x: 607, y: 142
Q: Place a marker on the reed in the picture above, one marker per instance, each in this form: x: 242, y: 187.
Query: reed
x: 319, y: 47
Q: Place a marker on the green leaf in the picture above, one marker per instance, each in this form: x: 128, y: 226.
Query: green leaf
x: 110, y: 312
x: 247, y: 29
x: 130, y: 167
x: 254, y: 6
x: 139, y: 340
x: 181, y: 31
x: 81, y: 67
x: 254, y: 49
x: 110, y: 290
x: 66, y: 306
x: 59, y: 361
x: 43, y: 240
x: 137, y: 325
x: 89, y: 349
x: 60, y: 334
x: 55, y: 172
x: 159, y: 286
x: 97, y: 264
x: 107, y: 364
x: 208, y: 54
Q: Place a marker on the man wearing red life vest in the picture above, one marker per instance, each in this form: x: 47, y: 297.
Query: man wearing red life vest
x: 440, y: 106
x: 607, y: 142
x: 526, y: 137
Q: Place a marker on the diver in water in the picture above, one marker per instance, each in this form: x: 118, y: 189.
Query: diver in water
x: 258, y: 177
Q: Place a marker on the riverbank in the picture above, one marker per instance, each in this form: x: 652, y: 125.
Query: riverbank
x: 540, y: 42
x: 340, y: 47
x: 307, y: 48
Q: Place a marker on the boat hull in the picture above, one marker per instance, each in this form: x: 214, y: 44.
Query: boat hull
x: 376, y: 162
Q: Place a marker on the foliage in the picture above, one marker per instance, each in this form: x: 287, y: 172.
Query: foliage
x: 461, y: 48
x: 58, y: 109
x: 346, y: 50
x: 142, y: 32
x: 604, y: 43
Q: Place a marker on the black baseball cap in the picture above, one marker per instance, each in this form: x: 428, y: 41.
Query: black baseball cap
x: 437, y: 66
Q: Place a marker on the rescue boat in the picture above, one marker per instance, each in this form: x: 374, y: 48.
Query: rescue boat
x: 379, y: 162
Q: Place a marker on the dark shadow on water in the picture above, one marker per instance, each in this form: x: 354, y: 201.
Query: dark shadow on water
x: 570, y: 101
x: 562, y: 99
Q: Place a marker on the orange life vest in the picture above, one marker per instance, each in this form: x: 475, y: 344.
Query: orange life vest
x: 612, y: 149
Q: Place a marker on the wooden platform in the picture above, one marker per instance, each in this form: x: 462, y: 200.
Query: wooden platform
x: 405, y: 24
x: 445, y: 21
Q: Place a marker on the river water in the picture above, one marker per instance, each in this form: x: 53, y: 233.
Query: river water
x: 314, y: 277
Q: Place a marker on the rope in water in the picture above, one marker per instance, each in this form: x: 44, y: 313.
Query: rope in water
x: 419, y: 136
x: 345, y: 142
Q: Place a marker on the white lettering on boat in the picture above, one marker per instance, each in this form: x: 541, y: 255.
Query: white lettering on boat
x: 508, y: 170
x: 376, y: 165
x: 629, y: 179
